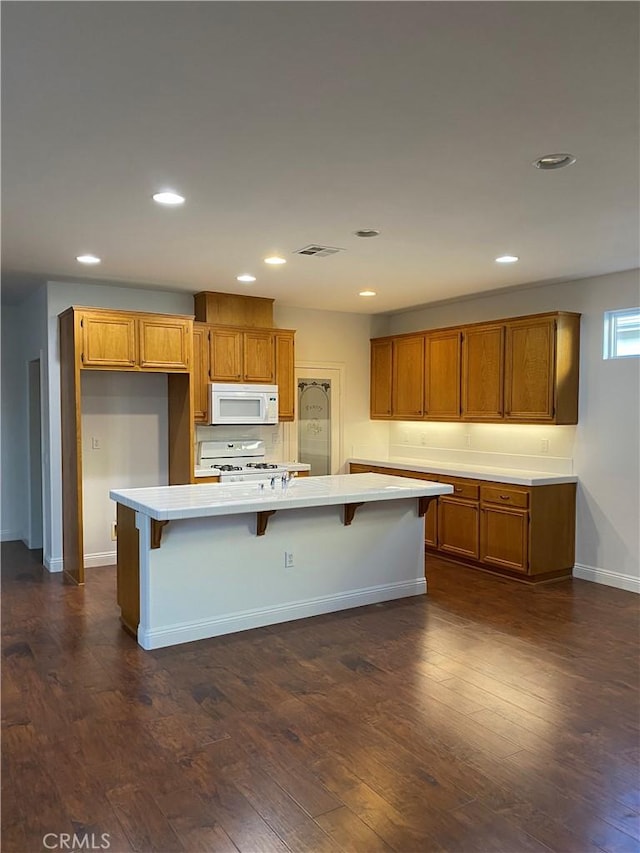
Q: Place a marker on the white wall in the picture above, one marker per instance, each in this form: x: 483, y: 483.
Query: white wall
x: 24, y: 339
x: 13, y: 431
x: 604, y: 446
x: 124, y: 445
x: 336, y: 338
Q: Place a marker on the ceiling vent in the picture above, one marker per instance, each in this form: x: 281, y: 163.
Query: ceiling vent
x: 318, y: 251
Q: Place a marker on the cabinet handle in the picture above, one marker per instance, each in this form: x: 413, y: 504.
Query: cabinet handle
x: 457, y: 488
x: 505, y: 498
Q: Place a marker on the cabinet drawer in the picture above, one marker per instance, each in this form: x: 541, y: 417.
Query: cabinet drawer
x: 461, y: 488
x: 504, y: 496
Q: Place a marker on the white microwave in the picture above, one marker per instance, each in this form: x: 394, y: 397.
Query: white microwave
x: 242, y: 404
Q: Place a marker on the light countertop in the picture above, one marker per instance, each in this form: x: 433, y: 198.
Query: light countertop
x: 165, y: 503
x: 472, y: 472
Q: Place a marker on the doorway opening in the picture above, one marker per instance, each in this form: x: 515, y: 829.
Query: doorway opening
x: 34, y: 529
x: 319, y: 414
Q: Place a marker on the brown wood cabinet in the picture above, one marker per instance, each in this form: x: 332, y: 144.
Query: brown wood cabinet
x: 459, y: 519
x: 541, y: 369
x: 483, y: 373
x: 284, y: 345
x: 253, y: 355
x: 442, y: 376
x: 116, y: 340
x: 525, y: 532
x: 530, y: 369
x: 200, y: 373
x: 517, y: 370
x: 96, y: 339
x: 381, y: 378
x: 259, y: 357
x: 407, y: 389
x: 225, y: 354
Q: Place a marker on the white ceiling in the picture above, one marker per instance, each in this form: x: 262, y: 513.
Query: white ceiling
x: 289, y: 123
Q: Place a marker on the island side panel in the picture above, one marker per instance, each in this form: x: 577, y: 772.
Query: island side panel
x: 128, y: 568
x: 214, y: 576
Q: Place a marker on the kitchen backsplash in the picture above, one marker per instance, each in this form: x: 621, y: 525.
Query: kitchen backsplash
x: 520, y: 446
x: 275, y: 437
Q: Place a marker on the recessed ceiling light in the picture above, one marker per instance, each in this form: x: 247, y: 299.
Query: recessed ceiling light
x: 274, y: 260
x: 246, y: 278
x: 169, y: 198
x: 554, y: 161
x: 507, y: 259
x: 366, y: 232
x: 367, y: 293
x: 88, y: 259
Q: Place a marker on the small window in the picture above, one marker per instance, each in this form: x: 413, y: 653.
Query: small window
x: 621, y: 333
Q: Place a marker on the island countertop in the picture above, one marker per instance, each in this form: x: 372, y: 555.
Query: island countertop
x: 165, y: 503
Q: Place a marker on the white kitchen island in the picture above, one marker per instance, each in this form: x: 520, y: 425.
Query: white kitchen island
x: 200, y: 561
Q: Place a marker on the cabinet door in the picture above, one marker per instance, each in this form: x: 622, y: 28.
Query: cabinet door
x: 381, y: 377
x: 483, y: 373
x: 504, y: 538
x: 458, y: 527
x: 408, y: 377
x: 108, y: 341
x: 442, y: 387
x: 431, y: 525
x: 225, y: 355
x: 200, y: 373
x: 529, y: 369
x: 259, y: 360
x: 164, y: 343
x: 285, y: 378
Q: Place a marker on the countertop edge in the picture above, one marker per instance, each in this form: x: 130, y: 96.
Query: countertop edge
x: 260, y: 503
x: 513, y: 477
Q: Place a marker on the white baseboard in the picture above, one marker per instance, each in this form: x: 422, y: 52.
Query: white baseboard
x: 91, y: 561
x: 187, y: 632
x: 53, y: 564
x: 100, y: 558
x: 607, y: 577
x: 10, y: 536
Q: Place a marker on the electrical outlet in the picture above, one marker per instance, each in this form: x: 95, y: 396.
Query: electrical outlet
x: 114, y: 531
x: 544, y: 445
x: 423, y: 438
x: 95, y: 443
x: 467, y: 440
x: 288, y: 559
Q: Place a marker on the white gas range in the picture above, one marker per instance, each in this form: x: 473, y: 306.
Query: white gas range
x: 237, y: 461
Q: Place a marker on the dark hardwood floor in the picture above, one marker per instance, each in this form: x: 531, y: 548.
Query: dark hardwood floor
x: 486, y: 716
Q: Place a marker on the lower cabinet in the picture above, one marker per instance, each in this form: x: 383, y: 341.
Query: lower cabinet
x: 518, y: 531
x: 504, y: 528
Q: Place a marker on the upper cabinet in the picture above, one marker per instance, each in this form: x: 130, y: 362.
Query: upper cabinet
x: 518, y: 370
x: 284, y: 345
x: 407, y: 387
x: 107, y: 340
x: 442, y: 376
x: 381, y: 378
x: 541, y: 369
x: 232, y: 354
x: 123, y: 340
x: 483, y: 373
x: 164, y: 342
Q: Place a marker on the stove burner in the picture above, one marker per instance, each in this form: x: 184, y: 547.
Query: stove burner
x: 229, y: 467
x: 260, y: 465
